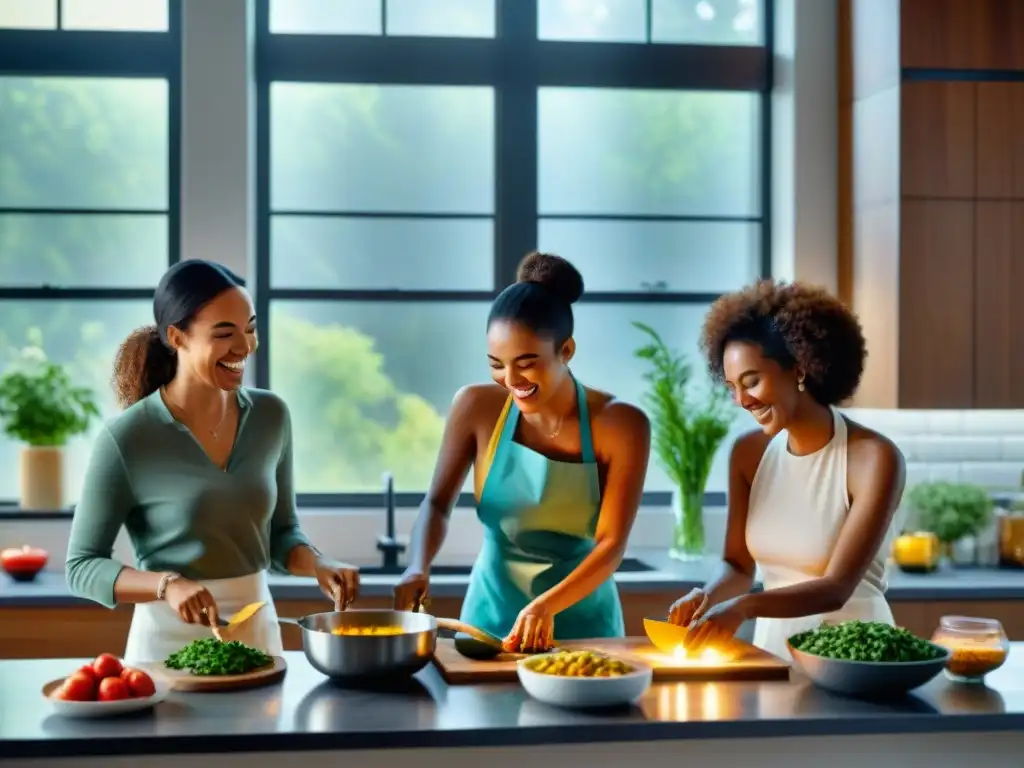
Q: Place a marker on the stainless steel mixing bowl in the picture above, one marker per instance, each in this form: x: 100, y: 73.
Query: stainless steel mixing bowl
x: 367, y: 658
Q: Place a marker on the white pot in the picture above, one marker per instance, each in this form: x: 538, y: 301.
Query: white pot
x: 41, y: 478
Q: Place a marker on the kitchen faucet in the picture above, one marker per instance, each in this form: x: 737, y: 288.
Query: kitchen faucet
x: 388, y: 544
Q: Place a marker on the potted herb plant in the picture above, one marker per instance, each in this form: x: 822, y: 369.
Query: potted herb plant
x: 42, y: 408
x: 688, y: 427
x: 954, y: 512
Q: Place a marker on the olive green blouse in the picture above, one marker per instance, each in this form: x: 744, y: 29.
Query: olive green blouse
x: 183, y: 513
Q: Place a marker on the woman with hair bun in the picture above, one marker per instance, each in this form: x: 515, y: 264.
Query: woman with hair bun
x: 812, y: 494
x: 558, y: 473
x: 198, y: 470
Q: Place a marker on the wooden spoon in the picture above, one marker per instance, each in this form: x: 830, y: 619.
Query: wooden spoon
x: 476, y: 633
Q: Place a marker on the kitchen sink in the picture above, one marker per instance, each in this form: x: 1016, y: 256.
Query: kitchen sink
x: 628, y: 565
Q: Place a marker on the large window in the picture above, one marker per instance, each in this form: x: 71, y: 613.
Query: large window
x: 412, y: 151
x: 88, y: 184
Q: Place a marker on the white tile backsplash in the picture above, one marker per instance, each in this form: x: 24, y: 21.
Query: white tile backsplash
x: 983, y: 447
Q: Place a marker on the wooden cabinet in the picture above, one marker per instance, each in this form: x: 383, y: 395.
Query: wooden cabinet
x: 962, y: 244
x: 951, y: 279
x: 936, y: 299
x: 937, y: 140
x: 961, y: 34
x: 29, y: 633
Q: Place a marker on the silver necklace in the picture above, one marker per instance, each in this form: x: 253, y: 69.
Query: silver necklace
x: 215, y: 432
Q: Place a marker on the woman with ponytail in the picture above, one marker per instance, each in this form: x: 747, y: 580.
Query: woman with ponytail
x: 198, y: 470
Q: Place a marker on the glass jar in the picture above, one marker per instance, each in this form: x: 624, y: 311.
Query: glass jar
x: 978, y: 647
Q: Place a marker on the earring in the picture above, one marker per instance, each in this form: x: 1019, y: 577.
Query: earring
x: 800, y: 386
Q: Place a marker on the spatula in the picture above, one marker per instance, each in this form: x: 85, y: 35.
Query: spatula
x: 228, y: 626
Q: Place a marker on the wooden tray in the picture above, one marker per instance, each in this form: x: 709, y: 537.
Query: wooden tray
x: 748, y: 663
x: 182, y: 680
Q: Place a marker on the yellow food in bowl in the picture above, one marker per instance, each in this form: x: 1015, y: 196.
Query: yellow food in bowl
x: 975, y: 662
x: 367, y: 631
x: 578, y: 664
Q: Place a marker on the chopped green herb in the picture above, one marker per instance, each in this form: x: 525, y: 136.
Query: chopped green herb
x: 865, y: 641
x: 210, y: 656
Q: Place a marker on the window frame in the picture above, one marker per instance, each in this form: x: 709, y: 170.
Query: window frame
x: 516, y: 65
x: 102, y: 54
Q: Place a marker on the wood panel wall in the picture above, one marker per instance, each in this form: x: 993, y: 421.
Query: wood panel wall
x: 942, y: 238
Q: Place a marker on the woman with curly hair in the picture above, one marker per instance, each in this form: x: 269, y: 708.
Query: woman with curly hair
x: 812, y: 494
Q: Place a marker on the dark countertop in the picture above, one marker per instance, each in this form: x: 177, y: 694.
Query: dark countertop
x: 306, y: 713
x: 50, y: 589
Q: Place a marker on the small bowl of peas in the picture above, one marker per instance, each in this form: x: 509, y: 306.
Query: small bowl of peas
x: 866, y: 659
x: 583, y: 679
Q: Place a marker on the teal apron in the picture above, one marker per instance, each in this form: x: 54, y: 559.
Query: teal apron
x: 539, y: 518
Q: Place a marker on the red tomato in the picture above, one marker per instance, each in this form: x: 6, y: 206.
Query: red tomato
x: 113, y: 689
x: 78, y: 687
x: 139, y: 683
x: 106, y: 665
x: 87, y: 672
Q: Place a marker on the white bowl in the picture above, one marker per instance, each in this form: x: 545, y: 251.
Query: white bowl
x: 585, y: 692
x: 93, y: 709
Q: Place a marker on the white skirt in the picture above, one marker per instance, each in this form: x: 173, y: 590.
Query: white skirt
x: 157, y: 631
x: 772, y: 634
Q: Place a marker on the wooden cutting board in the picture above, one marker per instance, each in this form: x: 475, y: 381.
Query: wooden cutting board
x: 747, y: 663
x: 182, y: 680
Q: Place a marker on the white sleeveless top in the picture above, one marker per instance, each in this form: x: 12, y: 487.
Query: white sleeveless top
x: 798, y: 505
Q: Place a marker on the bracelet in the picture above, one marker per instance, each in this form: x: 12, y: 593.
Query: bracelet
x: 165, y: 581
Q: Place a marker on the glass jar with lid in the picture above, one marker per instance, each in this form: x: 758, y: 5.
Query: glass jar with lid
x: 978, y: 647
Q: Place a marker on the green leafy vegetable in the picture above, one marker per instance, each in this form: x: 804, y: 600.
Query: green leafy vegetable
x: 865, y: 641
x: 210, y: 656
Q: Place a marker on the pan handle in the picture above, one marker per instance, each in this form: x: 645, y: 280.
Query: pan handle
x: 287, y: 620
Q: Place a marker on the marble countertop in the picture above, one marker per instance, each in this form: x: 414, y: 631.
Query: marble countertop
x: 50, y: 588
x: 307, y: 713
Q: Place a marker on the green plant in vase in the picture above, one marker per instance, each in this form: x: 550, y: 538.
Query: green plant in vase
x: 41, y: 407
x: 952, y: 511
x: 689, y: 423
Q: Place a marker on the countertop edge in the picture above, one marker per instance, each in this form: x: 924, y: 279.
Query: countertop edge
x: 506, y: 736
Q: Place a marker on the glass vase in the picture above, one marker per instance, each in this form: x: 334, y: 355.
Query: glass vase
x: 688, y: 531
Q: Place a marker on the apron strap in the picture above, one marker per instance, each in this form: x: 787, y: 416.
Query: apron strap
x: 493, y: 444
x: 586, y: 435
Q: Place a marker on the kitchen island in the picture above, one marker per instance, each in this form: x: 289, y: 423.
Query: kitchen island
x: 789, y: 724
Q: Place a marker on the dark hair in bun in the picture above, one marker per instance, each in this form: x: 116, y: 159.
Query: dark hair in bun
x: 554, y: 273
x: 541, y: 299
